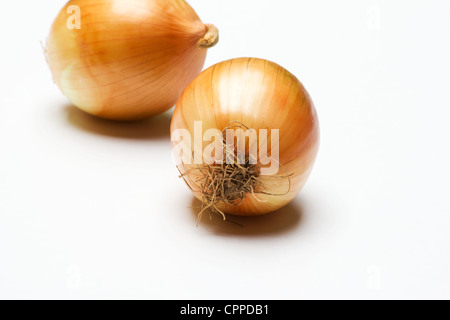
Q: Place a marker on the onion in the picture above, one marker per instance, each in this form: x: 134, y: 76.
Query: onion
x: 213, y: 134
x: 127, y: 59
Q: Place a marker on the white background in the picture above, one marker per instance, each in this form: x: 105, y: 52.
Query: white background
x: 94, y: 209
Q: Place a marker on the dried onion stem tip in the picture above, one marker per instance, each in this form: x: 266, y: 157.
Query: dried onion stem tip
x: 211, y: 37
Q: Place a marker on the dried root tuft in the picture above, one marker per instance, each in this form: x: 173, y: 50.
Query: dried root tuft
x: 227, y: 183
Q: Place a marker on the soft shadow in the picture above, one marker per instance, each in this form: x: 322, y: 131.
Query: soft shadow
x: 277, y: 223
x: 154, y: 128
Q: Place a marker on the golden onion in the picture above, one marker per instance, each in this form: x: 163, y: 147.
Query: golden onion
x: 259, y: 99
x: 127, y: 59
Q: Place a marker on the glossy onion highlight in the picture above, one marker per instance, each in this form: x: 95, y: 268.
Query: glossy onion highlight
x: 256, y: 94
x: 127, y: 59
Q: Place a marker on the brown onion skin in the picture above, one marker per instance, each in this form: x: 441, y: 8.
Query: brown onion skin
x: 130, y: 60
x: 261, y: 95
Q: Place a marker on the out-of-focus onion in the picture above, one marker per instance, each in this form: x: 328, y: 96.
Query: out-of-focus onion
x: 127, y: 59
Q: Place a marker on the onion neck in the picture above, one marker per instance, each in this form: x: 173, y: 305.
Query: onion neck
x: 211, y: 37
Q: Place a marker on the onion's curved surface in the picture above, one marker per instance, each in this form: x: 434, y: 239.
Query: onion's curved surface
x: 261, y: 95
x: 130, y: 59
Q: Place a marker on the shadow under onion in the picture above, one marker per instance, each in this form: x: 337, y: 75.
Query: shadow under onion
x: 155, y: 128
x: 282, y: 221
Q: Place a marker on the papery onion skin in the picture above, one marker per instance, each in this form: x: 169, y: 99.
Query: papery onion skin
x: 261, y: 95
x: 131, y: 59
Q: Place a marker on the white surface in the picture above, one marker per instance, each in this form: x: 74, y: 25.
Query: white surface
x: 93, y: 209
